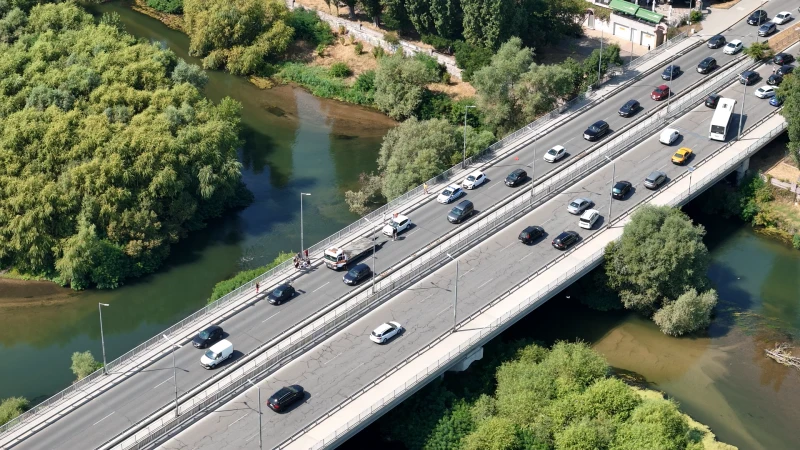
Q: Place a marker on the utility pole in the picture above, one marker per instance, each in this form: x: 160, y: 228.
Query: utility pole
x: 455, y: 296
x: 174, y: 372
x: 613, y: 175
x: 464, y: 161
x: 741, y: 114
x: 260, y: 441
x: 533, y: 171
x: 302, y: 248
x: 102, y: 339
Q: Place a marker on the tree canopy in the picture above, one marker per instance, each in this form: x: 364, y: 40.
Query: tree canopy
x: 108, y: 151
x: 790, y: 94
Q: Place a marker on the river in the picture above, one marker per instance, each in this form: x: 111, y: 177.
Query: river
x: 294, y: 143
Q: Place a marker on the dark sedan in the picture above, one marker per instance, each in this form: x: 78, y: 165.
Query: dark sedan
x: 712, y: 100
x: 758, y: 17
x: 782, y: 59
x: 565, y: 240
x: 783, y: 70
x: 716, y: 41
x: 284, y: 398
x: 749, y: 77
x: 596, y: 130
x: 530, y: 234
x: 671, y: 72
x: 281, y: 294
x: 207, y: 337
x: 707, y: 65
x: 630, y: 108
x: 775, y: 80
x: 621, y: 189
x: 516, y: 177
x: 356, y: 274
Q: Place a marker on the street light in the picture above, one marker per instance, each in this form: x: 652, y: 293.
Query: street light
x: 613, y: 175
x: 464, y: 162
x: 455, y: 297
x: 533, y: 170
x: 260, y: 441
x: 102, y: 339
x: 374, y: 243
x: 741, y: 113
x: 302, y: 248
x: 174, y: 371
x: 600, y: 63
x: 671, y: 76
x: 690, y: 169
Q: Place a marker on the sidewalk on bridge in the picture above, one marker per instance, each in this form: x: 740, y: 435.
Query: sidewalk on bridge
x: 376, y: 398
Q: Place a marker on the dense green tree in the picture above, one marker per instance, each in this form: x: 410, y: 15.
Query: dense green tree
x: 608, y: 397
x: 417, y: 418
x: 447, y: 17
x: 790, y: 94
x: 395, y: 16
x: 496, y: 433
x: 451, y: 429
x: 542, y: 87
x: 495, y: 83
x: 584, y: 434
x: 489, y: 23
x: 653, y: 424
x: 471, y: 58
x: 373, y: 8
x: 610, y: 56
x: 419, y: 14
x: 690, y: 312
x: 400, y: 83
x: 84, y: 364
x: 189, y: 73
x: 12, y: 407
x: 167, y: 6
x: 659, y: 257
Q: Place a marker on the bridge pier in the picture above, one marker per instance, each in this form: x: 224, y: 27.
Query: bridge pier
x: 742, y: 170
x: 464, y: 363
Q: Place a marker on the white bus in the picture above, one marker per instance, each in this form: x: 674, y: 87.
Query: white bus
x: 721, y: 121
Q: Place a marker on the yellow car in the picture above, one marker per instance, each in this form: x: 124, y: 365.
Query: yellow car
x: 681, y: 156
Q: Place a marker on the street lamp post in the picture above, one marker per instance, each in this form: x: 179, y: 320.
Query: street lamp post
x: 741, y: 114
x: 600, y: 63
x: 302, y: 248
x: 102, y: 339
x: 613, y: 175
x: 671, y: 76
x: 466, y: 109
x: 691, y: 170
x: 533, y: 171
x: 455, y: 296
x: 260, y: 441
x: 174, y: 372
x: 374, y: 243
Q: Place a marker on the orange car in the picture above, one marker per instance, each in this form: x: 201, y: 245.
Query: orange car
x: 681, y: 156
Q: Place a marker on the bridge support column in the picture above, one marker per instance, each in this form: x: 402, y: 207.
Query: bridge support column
x: 742, y: 170
x: 464, y: 363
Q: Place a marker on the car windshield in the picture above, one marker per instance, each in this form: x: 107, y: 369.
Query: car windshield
x: 514, y: 175
x: 211, y: 355
x: 658, y: 91
x: 456, y: 212
x: 652, y: 177
x: 354, y: 272
x: 278, y: 292
x: 447, y: 192
x: 575, y: 204
x: 552, y: 151
x: 678, y: 155
x: 204, y: 334
x: 616, y: 190
x: 471, y: 178
x: 594, y: 128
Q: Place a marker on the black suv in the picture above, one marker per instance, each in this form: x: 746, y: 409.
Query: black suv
x: 749, y: 77
x: 716, y: 41
x: 207, y: 337
x: 530, y: 234
x: 630, y: 108
x: 596, y: 130
x: 783, y: 70
x: 565, y: 240
x: 621, y: 189
x: 671, y: 72
x: 281, y: 294
x: 356, y: 274
x: 516, y: 177
x: 782, y: 59
x: 757, y: 18
x: 712, y: 100
x: 707, y: 65
x: 282, y: 399
x: 461, y: 212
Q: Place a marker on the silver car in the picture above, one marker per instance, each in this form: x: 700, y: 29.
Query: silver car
x: 655, y: 179
x: 578, y: 205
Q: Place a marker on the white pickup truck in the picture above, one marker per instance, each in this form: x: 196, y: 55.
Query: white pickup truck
x: 338, y: 257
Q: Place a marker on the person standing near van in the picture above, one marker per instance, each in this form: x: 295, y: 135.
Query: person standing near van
x: 394, y: 234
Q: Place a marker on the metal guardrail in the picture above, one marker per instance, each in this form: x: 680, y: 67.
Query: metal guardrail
x: 657, y: 51
x: 285, y: 269
x: 455, y: 355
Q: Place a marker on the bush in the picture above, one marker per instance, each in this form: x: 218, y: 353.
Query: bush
x: 12, y: 407
x: 441, y: 44
x: 358, y: 48
x: 759, y: 51
x: 796, y: 241
x: 391, y: 38
x: 309, y: 27
x: 470, y: 58
x: 320, y: 82
x: 690, y: 312
x: 321, y: 50
x: 431, y: 64
x: 243, y: 277
x: 84, y: 364
x: 378, y: 52
x: 365, y: 82
x: 340, y: 70
x: 696, y: 16
x: 167, y: 6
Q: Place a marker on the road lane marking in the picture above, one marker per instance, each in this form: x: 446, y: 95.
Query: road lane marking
x: 270, y: 317
x: 240, y: 418
x: 159, y: 384
x: 444, y: 310
x: 421, y: 301
x: 315, y: 290
x: 465, y: 273
x: 354, y: 368
x: 509, y: 245
x: 529, y: 254
x: 487, y: 282
x: 326, y: 362
x: 104, y: 418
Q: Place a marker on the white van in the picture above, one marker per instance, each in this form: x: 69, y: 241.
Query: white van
x: 588, y: 218
x: 218, y: 352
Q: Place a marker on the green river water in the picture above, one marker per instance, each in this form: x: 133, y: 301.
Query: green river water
x: 297, y: 143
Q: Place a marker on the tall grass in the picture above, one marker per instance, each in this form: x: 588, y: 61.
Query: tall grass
x: 321, y: 83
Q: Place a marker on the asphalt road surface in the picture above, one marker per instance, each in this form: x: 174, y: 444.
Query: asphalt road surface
x: 349, y: 361
x: 143, y: 393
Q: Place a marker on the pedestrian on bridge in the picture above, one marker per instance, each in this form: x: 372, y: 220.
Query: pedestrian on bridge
x: 257, y: 286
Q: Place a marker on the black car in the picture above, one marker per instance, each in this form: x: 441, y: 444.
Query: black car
x: 782, y: 59
x: 716, y: 41
x: 356, y: 274
x: 757, y: 18
x: 596, y: 131
x: 630, y: 108
x: 707, y: 65
x: 671, y: 72
x: 712, y: 100
x: 281, y: 294
x: 461, y: 212
x: 530, y: 234
x: 775, y: 79
x: 285, y: 396
x: 207, y: 337
x: 516, y: 177
x: 783, y: 70
x: 621, y: 189
x: 749, y: 77
x: 565, y: 240
x: 767, y: 29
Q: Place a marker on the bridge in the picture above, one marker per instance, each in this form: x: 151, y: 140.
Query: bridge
x: 127, y: 398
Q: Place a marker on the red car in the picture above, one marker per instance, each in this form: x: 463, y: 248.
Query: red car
x: 660, y: 93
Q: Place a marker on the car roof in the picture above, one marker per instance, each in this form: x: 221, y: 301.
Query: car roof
x: 663, y: 87
x: 557, y: 147
x: 588, y: 213
x: 463, y: 203
x: 715, y: 95
x: 517, y: 171
x: 599, y: 123
x: 219, y: 346
x: 382, y: 328
x: 530, y: 228
x: 684, y: 150
x: 655, y: 173
x: 212, y: 328
x: 631, y: 102
x: 282, y: 286
x: 708, y: 58
x: 581, y: 200
x: 453, y: 187
x: 476, y: 173
x: 400, y: 218
x: 624, y: 183
x: 735, y: 42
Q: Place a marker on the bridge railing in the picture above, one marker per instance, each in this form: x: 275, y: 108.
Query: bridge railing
x: 452, y: 357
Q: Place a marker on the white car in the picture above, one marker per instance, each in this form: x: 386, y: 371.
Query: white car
x: 385, y: 332
x: 588, y: 218
x: 733, y: 47
x: 766, y: 92
x: 555, y: 153
x: 782, y: 17
x: 399, y: 223
x: 668, y: 136
x: 578, y: 205
x: 474, y: 180
x: 450, y: 193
